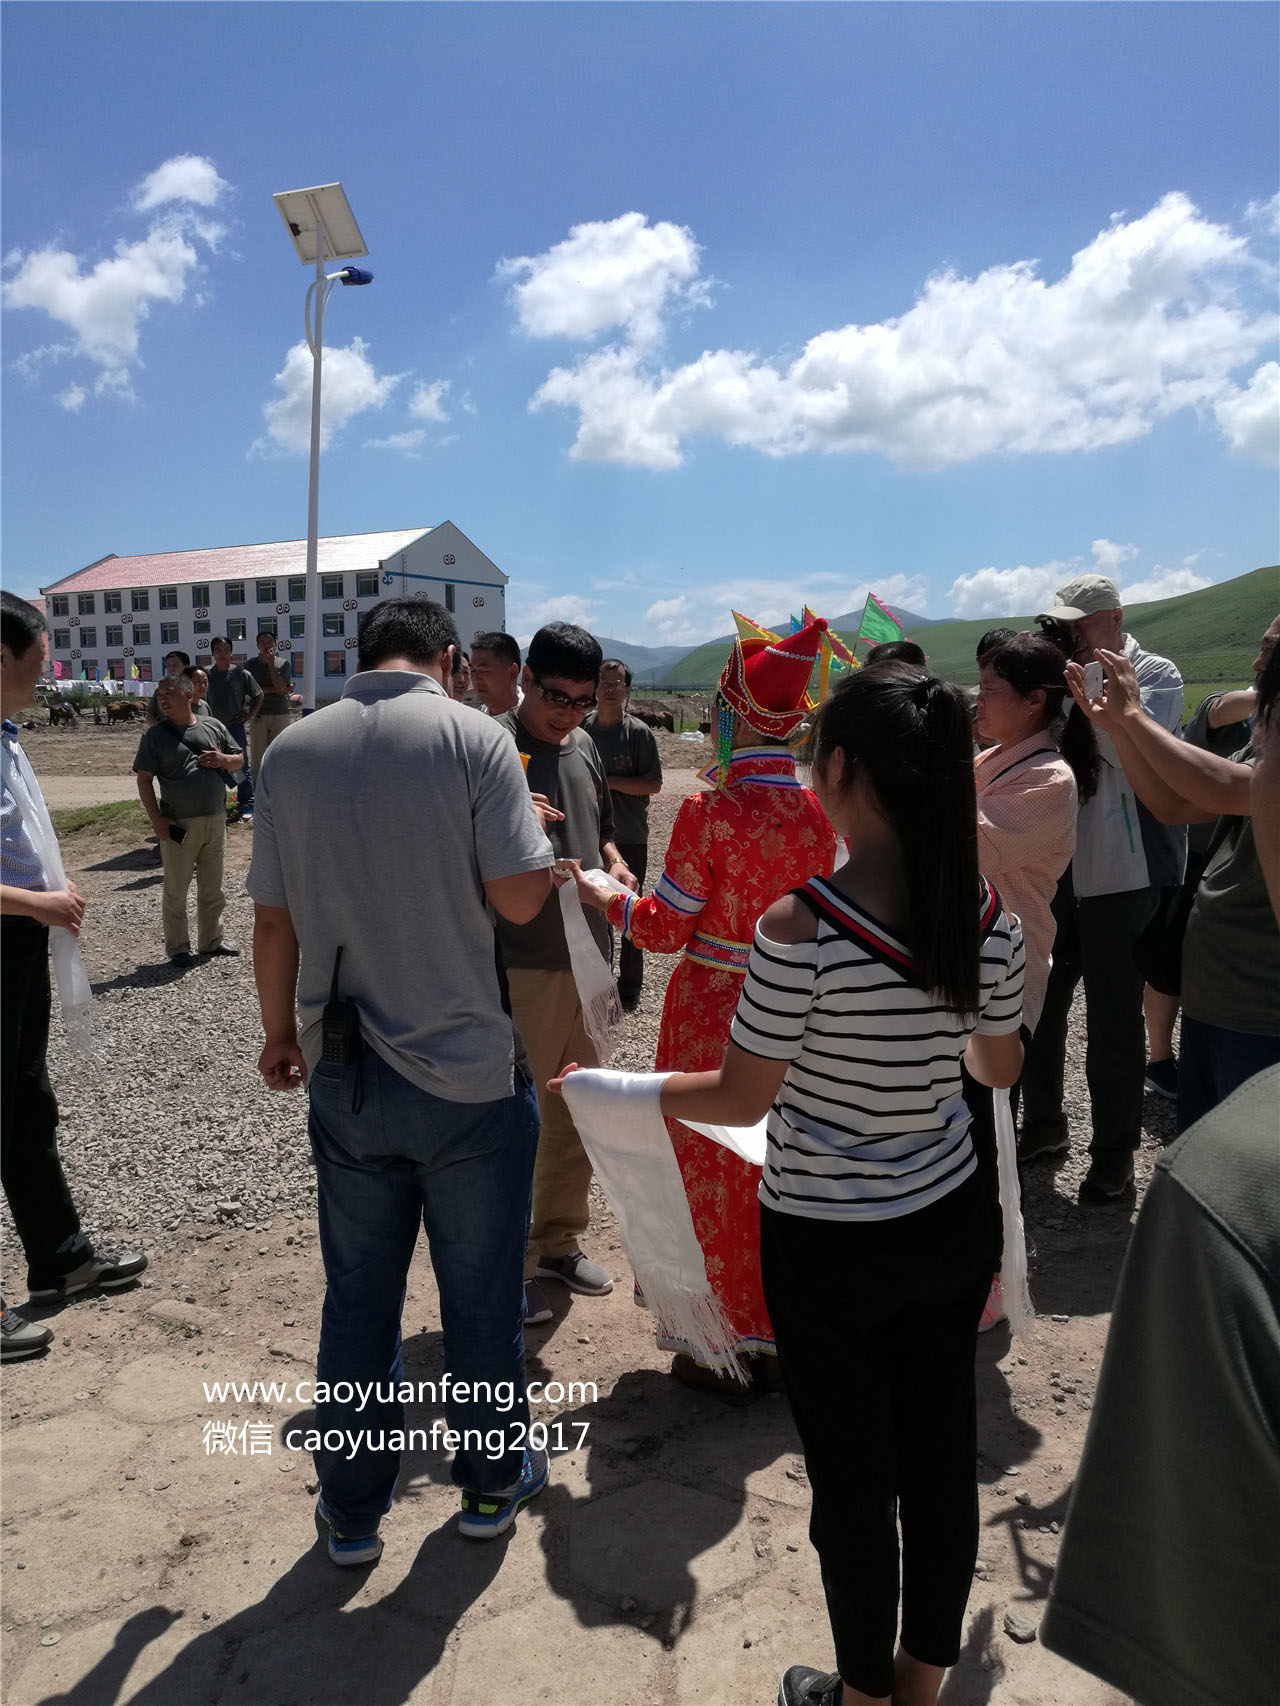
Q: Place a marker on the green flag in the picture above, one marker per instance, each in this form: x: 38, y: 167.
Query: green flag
x: 878, y: 622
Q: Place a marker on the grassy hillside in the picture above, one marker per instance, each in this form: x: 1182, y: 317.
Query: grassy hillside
x: 1212, y: 635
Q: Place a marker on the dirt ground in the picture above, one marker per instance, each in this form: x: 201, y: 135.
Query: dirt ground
x: 668, y: 1562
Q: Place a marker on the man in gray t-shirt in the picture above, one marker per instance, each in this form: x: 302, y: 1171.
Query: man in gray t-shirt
x: 234, y: 698
x: 190, y: 757
x: 567, y: 781
x: 381, y: 990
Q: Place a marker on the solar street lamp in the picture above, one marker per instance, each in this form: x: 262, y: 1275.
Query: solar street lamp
x: 323, y: 228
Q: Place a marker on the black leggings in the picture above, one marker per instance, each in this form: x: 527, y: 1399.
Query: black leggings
x: 876, y: 1327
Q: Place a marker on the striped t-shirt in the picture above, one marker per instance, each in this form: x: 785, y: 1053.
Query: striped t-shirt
x: 871, y: 1121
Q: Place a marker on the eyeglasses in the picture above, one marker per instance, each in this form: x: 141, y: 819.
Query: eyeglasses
x: 562, y: 701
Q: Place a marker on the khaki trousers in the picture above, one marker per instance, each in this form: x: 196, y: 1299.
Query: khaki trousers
x: 262, y: 731
x: 199, y: 855
x: 548, y: 1016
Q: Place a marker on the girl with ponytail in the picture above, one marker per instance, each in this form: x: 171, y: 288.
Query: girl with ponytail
x: 864, y: 993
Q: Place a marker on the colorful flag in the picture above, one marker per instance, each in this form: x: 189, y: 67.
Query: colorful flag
x: 57, y: 670
x: 878, y: 622
x: 749, y: 630
x: 134, y: 672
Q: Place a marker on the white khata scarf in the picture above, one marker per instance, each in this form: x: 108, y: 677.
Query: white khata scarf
x: 623, y: 1131
x: 592, y: 973
x: 68, y: 968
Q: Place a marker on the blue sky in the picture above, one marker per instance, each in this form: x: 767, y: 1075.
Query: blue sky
x: 677, y: 307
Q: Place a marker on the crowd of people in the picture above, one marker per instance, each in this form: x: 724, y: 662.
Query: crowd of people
x: 864, y: 961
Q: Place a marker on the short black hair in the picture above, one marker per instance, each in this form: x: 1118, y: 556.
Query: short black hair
x: 500, y: 644
x: 564, y: 650
x: 896, y: 651
x: 616, y: 663
x: 21, y: 624
x: 411, y: 628
x: 175, y: 653
x: 459, y: 658
x: 190, y: 670
x: 992, y: 639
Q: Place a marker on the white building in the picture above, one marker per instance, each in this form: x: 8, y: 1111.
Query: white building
x: 123, y: 611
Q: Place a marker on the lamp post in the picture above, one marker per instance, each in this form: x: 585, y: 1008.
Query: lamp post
x: 323, y: 228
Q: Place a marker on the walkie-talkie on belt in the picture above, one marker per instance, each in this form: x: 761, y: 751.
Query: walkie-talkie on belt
x: 339, y: 1025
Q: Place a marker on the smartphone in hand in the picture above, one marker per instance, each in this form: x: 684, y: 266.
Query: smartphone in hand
x: 1094, y: 680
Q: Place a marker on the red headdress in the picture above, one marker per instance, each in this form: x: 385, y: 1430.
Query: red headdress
x: 766, y: 683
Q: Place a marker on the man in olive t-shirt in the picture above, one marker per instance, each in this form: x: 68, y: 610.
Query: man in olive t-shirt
x: 629, y: 754
x: 567, y: 781
x: 272, y: 676
x: 234, y: 698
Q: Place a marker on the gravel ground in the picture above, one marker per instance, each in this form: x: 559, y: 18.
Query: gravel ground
x: 167, y: 1130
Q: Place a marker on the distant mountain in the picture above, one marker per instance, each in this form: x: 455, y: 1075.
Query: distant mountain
x: 646, y: 663
x: 852, y: 618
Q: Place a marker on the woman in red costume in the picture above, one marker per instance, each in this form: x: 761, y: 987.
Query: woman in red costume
x: 734, y: 850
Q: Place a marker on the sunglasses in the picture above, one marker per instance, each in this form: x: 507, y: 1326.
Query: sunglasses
x: 562, y: 701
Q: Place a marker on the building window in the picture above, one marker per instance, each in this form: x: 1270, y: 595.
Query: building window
x: 202, y: 625
x: 88, y: 637
x: 61, y: 605
x: 115, y: 667
x: 266, y: 592
x: 298, y: 589
x: 61, y: 639
x: 143, y: 666
x: 89, y: 668
x: 331, y: 586
x: 199, y: 595
x: 335, y: 663
x: 297, y: 627
x: 142, y: 633
x: 168, y: 633
x: 86, y: 604
x: 139, y: 599
x: 168, y: 598
x: 366, y: 586
x: 333, y: 622
x: 448, y: 595
x: 236, y: 628
x: 266, y: 624
x: 297, y: 662
x: 233, y: 592
x: 115, y: 635
x: 111, y: 603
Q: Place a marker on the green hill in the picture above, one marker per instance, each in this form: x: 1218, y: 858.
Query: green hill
x: 1212, y: 635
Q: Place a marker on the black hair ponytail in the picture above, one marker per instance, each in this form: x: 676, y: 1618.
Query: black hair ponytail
x: 910, y: 735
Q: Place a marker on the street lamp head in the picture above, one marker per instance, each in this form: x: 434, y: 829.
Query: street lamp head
x: 355, y: 275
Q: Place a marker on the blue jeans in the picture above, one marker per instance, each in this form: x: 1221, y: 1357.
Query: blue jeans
x: 244, y: 790
x: 1212, y: 1062
x: 465, y: 1169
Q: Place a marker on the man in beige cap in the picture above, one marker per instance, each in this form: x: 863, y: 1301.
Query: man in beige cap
x: 1124, y: 860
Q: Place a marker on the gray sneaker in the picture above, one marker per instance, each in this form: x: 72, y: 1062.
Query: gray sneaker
x: 106, y: 1270
x: 536, y: 1308
x: 20, y: 1337
x: 577, y: 1273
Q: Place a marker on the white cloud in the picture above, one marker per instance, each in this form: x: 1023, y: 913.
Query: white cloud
x: 1163, y: 583
x: 1025, y: 591
x: 697, y: 616
x: 106, y: 303
x: 617, y: 272
x: 184, y: 178
x: 351, y: 386
x: 427, y: 402
x: 1149, y: 318
x: 72, y: 399
x: 666, y: 623
x: 527, y: 618
x: 1009, y: 592
x: 1251, y: 418
x: 408, y: 442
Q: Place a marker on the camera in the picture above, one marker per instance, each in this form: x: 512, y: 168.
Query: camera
x: 1059, y: 633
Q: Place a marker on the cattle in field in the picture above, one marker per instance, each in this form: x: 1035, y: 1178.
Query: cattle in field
x: 653, y: 713
x: 123, y: 710
x: 64, y: 712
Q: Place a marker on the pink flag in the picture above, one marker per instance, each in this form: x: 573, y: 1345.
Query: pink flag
x: 57, y: 670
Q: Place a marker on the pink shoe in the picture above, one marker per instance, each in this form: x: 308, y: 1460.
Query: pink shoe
x: 993, y: 1314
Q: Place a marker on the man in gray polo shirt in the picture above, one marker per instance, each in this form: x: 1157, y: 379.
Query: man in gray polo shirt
x: 381, y: 989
